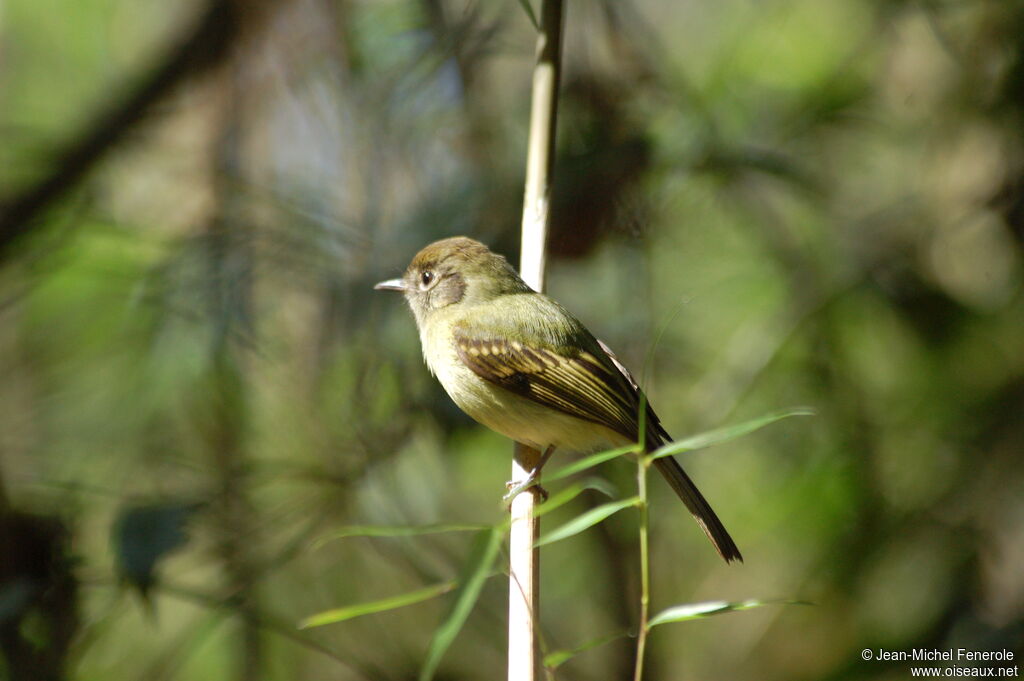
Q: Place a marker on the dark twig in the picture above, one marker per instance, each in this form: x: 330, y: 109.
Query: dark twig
x: 205, y: 46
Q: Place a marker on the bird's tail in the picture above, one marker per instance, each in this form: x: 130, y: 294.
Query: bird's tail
x: 699, y: 507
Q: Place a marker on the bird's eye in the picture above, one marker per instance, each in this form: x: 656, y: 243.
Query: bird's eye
x: 426, y: 279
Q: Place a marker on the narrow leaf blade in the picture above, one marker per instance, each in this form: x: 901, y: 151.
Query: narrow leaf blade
x: 528, y: 8
x: 558, y: 657
x: 401, y: 600
x: 586, y: 520
x: 478, y: 569
x: 720, y: 435
x: 397, y: 531
x: 693, y: 611
x: 569, y: 493
x: 588, y: 462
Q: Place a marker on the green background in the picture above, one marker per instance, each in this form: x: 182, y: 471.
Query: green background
x: 758, y: 205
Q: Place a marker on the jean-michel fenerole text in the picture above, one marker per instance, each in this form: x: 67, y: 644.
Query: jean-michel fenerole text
x: 949, y: 655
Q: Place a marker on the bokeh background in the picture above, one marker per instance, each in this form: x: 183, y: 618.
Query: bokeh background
x: 758, y: 205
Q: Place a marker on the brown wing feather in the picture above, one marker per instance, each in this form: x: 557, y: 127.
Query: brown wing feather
x: 580, y: 385
x: 599, y: 390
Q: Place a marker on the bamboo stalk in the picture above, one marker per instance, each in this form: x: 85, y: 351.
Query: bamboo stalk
x: 645, y: 568
x: 524, y: 562
x: 524, y: 572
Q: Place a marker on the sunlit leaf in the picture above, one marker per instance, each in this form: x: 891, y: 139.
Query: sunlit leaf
x: 720, y: 435
x: 476, y: 572
x: 558, y: 657
x: 401, y: 600
x: 569, y: 493
x: 586, y: 520
x: 587, y: 462
x: 692, y: 611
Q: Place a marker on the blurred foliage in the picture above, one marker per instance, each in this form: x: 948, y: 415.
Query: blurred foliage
x: 758, y: 205
x: 143, y: 535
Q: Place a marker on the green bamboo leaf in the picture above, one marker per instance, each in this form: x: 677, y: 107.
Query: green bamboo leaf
x: 397, y: 531
x: 692, y: 611
x: 401, y: 600
x: 559, y: 657
x: 588, y: 462
x: 586, y: 520
x: 476, y: 572
x: 528, y: 8
x: 719, y: 435
x: 569, y: 493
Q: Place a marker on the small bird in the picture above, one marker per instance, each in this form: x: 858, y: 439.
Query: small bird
x: 517, y: 362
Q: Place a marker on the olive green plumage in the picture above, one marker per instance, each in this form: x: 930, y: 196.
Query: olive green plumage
x: 516, y: 361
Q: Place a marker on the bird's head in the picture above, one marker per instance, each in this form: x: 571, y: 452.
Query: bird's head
x: 455, y: 271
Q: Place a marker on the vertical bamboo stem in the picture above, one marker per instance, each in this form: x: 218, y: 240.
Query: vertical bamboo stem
x: 540, y: 158
x: 524, y: 563
x: 645, y: 570
x: 524, y: 573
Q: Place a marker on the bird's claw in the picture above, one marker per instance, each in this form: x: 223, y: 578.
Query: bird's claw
x: 516, y: 487
x: 532, y: 480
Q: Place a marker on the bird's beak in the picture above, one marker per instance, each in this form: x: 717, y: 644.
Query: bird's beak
x: 390, y: 285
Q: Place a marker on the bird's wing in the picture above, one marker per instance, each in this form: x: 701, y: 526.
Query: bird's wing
x: 562, y: 366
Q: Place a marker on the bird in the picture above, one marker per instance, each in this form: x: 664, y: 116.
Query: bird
x: 519, y: 363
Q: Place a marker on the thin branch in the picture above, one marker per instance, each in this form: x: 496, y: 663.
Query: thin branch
x: 540, y: 160
x: 643, y: 463
x: 524, y: 562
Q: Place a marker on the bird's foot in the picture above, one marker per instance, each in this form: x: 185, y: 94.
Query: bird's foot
x: 516, y: 487
x: 532, y: 480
